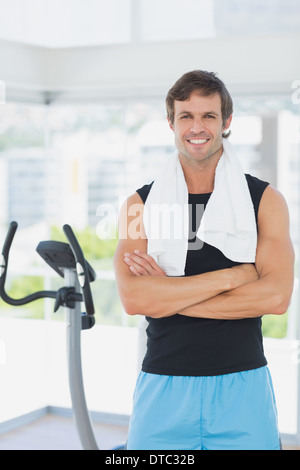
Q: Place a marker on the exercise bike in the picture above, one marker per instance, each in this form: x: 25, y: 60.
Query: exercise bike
x: 68, y: 261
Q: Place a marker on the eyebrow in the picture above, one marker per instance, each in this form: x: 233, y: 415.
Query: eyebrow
x: 206, y: 112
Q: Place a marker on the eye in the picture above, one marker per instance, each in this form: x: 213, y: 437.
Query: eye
x: 185, y: 116
x: 209, y: 116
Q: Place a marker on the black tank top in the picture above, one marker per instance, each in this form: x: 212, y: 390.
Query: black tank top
x: 186, y: 346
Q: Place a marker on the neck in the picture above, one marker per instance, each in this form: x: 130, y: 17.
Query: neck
x: 200, y: 176
x: 199, y: 182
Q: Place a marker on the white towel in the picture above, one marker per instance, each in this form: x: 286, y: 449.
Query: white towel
x: 228, y: 222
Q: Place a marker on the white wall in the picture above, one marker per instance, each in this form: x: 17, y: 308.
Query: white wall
x: 34, y: 371
x: 21, y: 65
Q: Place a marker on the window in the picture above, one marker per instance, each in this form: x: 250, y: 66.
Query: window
x: 76, y: 164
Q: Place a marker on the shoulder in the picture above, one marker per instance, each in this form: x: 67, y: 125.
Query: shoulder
x: 131, y: 214
x: 131, y: 218
x: 273, y: 211
x: 132, y: 205
x: 272, y: 198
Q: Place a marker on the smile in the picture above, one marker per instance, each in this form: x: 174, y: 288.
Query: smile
x: 197, y: 141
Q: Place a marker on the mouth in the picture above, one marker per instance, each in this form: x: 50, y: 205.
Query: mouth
x: 197, y: 141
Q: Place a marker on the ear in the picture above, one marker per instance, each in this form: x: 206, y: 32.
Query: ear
x: 170, y: 124
x: 227, y: 123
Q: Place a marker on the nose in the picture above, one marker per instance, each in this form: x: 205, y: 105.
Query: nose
x: 197, y: 126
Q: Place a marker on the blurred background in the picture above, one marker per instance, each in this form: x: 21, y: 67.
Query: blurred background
x: 83, y: 125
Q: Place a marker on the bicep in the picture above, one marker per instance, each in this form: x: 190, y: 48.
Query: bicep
x: 275, y: 253
x: 131, y: 237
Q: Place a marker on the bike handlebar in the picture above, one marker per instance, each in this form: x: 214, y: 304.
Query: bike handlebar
x: 81, y: 267
x: 5, y: 255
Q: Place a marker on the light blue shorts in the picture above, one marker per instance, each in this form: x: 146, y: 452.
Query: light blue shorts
x: 225, y: 412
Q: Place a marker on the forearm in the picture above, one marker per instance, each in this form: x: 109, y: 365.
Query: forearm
x: 262, y: 297
x: 144, y: 290
x: 156, y: 296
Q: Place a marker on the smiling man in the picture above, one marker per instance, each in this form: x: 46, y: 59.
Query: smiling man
x: 204, y: 382
x: 198, y: 126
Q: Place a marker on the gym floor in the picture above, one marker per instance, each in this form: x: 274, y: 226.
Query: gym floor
x: 53, y: 432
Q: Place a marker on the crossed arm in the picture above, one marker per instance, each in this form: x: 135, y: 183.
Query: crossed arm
x: 239, y: 292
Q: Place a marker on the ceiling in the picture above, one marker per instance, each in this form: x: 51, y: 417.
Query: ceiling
x: 77, y: 23
x: 55, y: 50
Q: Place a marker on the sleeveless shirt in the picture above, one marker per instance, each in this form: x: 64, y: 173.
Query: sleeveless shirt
x: 187, y: 346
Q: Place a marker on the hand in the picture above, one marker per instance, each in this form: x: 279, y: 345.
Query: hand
x: 142, y: 264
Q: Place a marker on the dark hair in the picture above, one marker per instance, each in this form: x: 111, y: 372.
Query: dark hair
x: 206, y: 83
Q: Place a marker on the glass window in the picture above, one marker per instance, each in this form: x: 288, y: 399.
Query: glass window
x: 76, y: 164
x: 253, y: 17
x: 196, y: 19
x: 266, y: 134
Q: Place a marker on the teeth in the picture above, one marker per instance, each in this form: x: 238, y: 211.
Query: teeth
x: 198, y: 141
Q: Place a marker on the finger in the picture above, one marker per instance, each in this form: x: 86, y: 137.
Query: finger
x: 140, y: 263
x: 153, y: 264
x: 136, y: 268
x: 134, y: 271
x: 144, y: 263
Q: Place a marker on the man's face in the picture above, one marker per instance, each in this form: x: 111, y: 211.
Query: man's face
x: 198, y: 127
